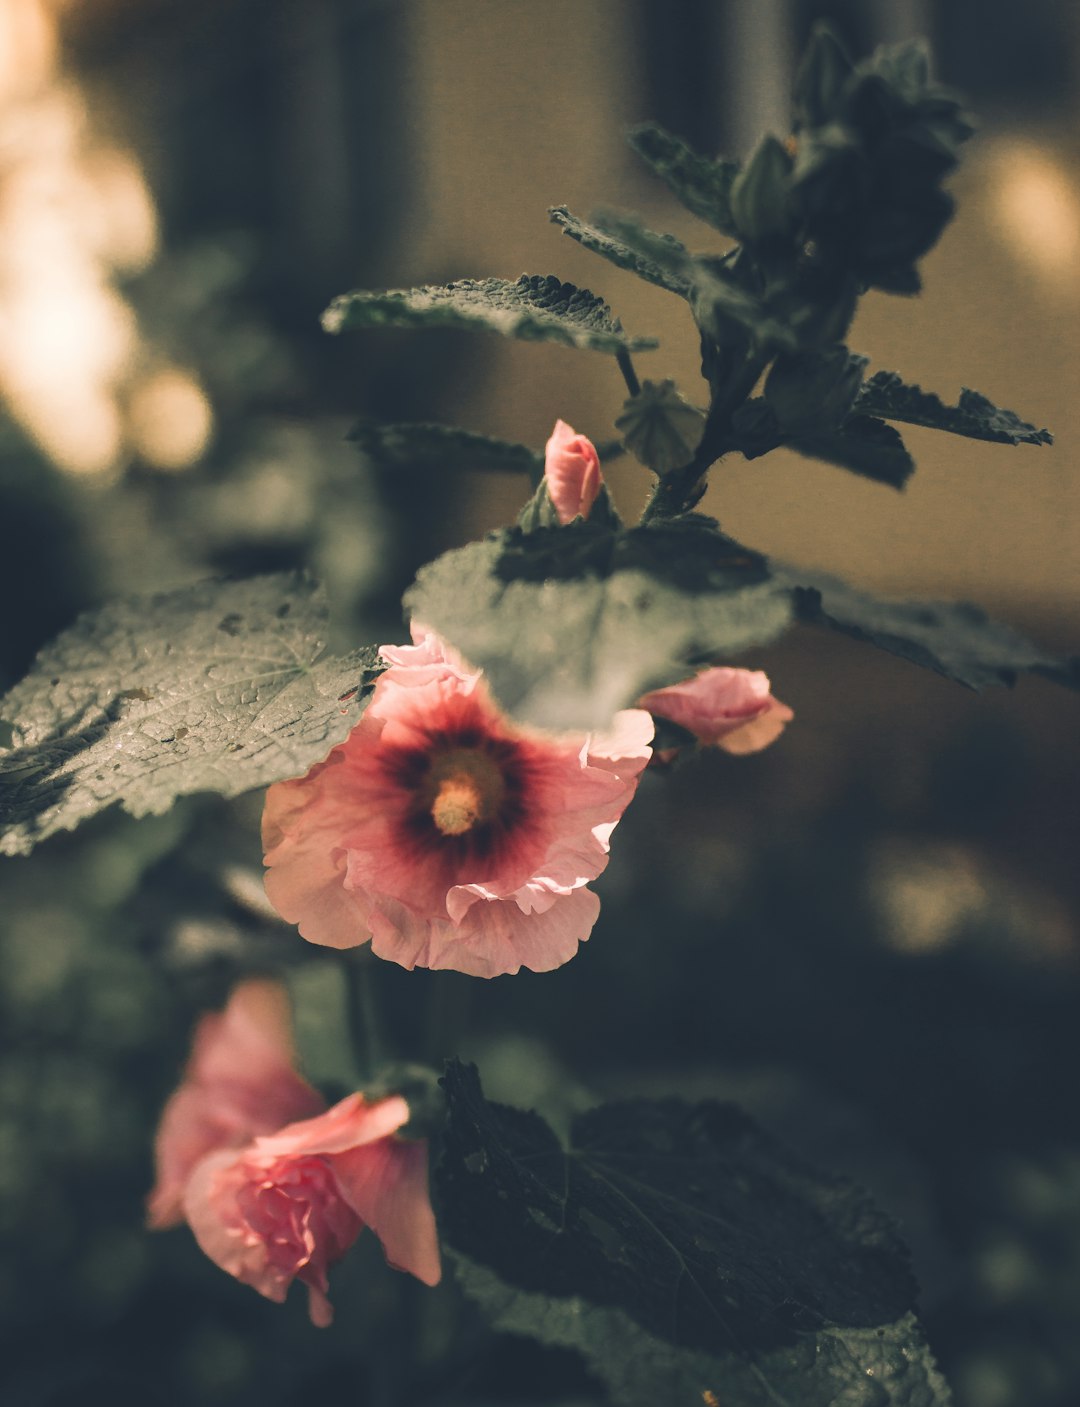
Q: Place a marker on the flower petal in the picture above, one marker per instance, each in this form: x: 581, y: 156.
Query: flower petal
x: 718, y: 703
x: 386, y: 1184
x: 572, y: 473
x: 239, y: 1082
x: 351, y: 1123
x: 494, y: 938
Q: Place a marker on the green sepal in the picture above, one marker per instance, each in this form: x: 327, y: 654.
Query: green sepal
x: 811, y: 391
x: 421, y: 1089
x: 660, y: 428
x: 540, y: 512
x: 761, y: 200
x: 824, y: 69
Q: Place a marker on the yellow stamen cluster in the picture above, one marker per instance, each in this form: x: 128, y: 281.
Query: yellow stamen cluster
x: 465, y: 788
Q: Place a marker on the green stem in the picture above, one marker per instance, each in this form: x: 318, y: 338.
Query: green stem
x: 626, y: 366
x: 680, y: 490
x: 363, y: 1017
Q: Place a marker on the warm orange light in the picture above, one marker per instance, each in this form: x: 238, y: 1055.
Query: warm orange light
x: 1036, y: 209
x: 120, y: 218
x: 27, y: 47
x: 72, y: 214
x: 170, y: 419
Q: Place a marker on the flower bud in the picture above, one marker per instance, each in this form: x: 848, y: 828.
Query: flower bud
x: 726, y: 708
x: 571, y: 473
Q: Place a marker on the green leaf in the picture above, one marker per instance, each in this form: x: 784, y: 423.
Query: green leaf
x: 866, y: 446
x: 572, y: 624
x: 701, y: 183
x: 953, y: 638
x: 215, y: 687
x: 682, y: 1250
x: 443, y: 447
x: 657, y: 258
x: 661, y: 428
x: 534, y: 309
x: 886, y: 395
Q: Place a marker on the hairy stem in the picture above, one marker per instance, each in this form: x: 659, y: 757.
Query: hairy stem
x: 626, y: 366
x: 680, y: 490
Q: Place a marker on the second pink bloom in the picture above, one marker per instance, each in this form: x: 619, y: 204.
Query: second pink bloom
x: 728, y: 708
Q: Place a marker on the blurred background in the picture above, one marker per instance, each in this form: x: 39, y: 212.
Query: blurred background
x: 868, y: 935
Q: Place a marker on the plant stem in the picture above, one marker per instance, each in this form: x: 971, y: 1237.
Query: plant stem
x: 680, y: 490
x: 626, y: 366
x: 363, y: 1018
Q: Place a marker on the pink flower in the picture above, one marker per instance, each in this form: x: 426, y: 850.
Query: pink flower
x: 272, y: 1204
x: 239, y: 1082
x: 572, y: 472
x: 446, y: 834
x: 731, y: 708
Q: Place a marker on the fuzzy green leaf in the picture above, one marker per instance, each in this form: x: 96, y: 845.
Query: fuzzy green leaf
x: 657, y: 258
x: 866, y: 446
x: 682, y: 1251
x: 975, y: 417
x: 443, y: 447
x: 953, y: 638
x: 572, y: 624
x: 701, y: 183
x: 215, y: 687
x: 534, y: 309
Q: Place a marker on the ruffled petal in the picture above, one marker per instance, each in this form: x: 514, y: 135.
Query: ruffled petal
x: 386, y: 1184
x: 494, y: 937
x: 351, y: 1123
x: 239, y: 1082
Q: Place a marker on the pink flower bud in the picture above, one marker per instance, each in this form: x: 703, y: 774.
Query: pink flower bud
x: 729, y: 708
x: 275, y: 1186
x: 572, y: 472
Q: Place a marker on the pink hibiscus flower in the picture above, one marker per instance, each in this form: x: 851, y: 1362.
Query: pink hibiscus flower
x: 272, y: 1204
x: 446, y: 834
x: 727, y: 708
x: 572, y: 473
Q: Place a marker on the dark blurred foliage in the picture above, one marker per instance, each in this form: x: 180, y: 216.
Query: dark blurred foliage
x: 869, y: 941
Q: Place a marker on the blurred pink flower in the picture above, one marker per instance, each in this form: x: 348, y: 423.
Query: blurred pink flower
x: 270, y: 1204
x: 239, y: 1082
x: 729, y: 708
x: 446, y: 834
x: 572, y: 472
